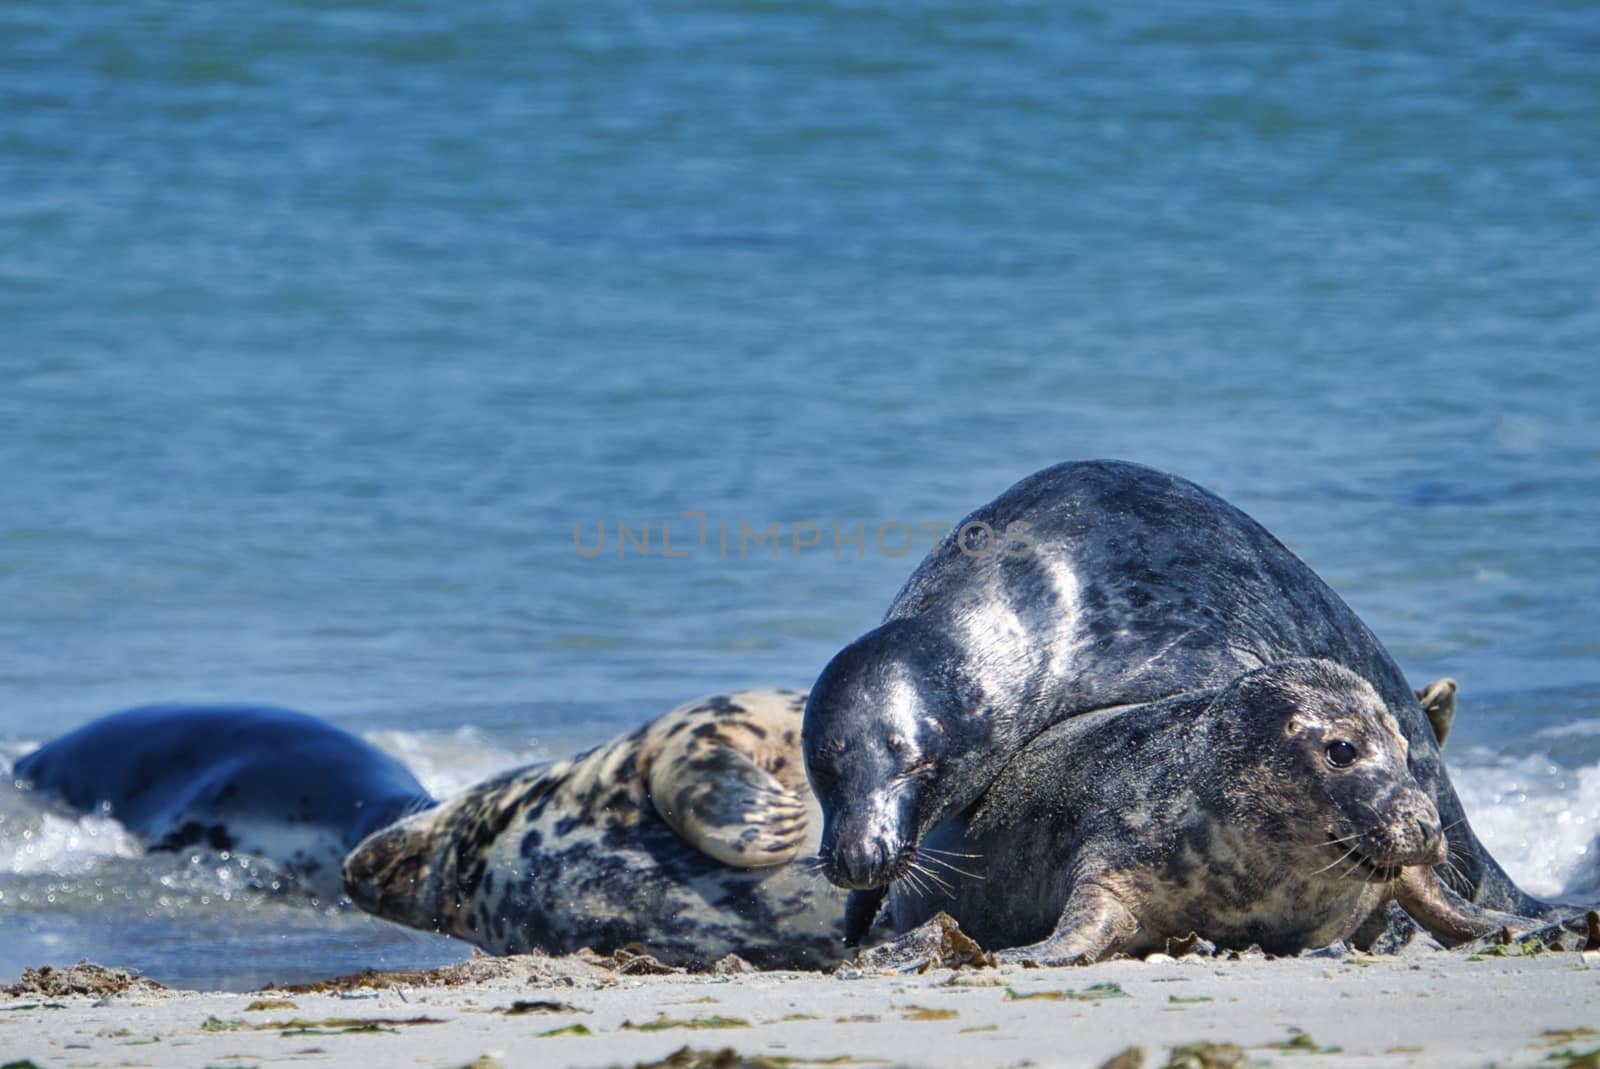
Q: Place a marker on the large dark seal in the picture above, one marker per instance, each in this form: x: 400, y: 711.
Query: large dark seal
x: 1098, y: 585
x: 1278, y: 812
x: 682, y: 836
x: 266, y: 783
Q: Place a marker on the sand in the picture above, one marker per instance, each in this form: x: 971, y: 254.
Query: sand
x: 1422, y: 1009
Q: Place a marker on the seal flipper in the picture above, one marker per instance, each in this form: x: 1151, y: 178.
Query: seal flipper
x: 860, y: 911
x: 1439, y: 702
x: 727, y: 807
x: 1094, y: 923
x: 1450, y: 918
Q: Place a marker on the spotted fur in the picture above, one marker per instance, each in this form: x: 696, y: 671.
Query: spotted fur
x: 677, y: 836
x: 1219, y: 812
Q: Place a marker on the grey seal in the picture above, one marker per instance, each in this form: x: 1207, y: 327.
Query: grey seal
x: 1087, y: 586
x: 1278, y: 811
x: 253, y: 780
x: 683, y: 836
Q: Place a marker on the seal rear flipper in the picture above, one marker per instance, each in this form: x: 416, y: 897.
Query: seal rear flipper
x: 1094, y: 924
x: 1450, y: 918
x: 1439, y: 703
x: 724, y: 805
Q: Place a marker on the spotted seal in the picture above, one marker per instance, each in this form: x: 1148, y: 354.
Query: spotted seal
x: 679, y: 836
x: 1086, y: 586
x: 269, y: 783
x: 1277, y: 811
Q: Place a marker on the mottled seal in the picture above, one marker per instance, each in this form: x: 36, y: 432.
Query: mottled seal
x: 1088, y: 585
x: 263, y: 782
x: 679, y: 836
x: 1278, y: 811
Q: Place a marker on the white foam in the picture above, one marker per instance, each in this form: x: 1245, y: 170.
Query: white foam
x: 446, y: 762
x: 36, y: 840
x: 1537, y: 818
x: 46, y: 843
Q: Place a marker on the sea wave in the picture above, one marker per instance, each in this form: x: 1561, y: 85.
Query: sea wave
x: 1536, y: 816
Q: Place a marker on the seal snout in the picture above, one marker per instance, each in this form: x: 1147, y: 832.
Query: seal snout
x: 865, y: 864
x: 381, y: 874
x: 1407, y: 832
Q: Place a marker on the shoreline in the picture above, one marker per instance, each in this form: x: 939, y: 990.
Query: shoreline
x: 1416, y: 1009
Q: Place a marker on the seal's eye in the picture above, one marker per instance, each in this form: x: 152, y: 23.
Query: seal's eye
x: 1341, y: 754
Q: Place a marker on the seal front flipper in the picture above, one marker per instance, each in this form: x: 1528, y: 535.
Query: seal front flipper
x: 1439, y: 702
x: 860, y: 911
x: 725, y: 805
x: 1094, y: 924
x: 1450, y: 918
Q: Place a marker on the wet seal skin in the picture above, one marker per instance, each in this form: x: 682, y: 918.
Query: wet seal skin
x: 1136, y: 586
x: 256, y: 781
x: 1278, y: 811
x: 682, y: 836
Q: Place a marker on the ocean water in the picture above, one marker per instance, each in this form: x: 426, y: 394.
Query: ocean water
x: 323, y: 324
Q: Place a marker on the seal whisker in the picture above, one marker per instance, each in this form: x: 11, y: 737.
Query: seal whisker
x: 1355, y: 867
x: 924, y: 849
x: 918, y: 867
x: 1341, y: 859
x: 1454, y: 874
x: 952, y: 868
x: 909, y: 879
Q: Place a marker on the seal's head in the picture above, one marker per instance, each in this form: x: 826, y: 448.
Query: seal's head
x: 1332, y: 770
x: 892, y: 746
x: 400, y: 873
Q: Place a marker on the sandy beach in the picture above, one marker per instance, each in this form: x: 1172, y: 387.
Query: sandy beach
x: 1420, y: 1009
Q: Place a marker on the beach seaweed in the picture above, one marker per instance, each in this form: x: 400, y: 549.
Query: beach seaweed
x: 84, y: 978
x: 1297, y: 1040
x: 327, y: 1026
x: 1553, y: 1037
x: 1206, y: 1055
x: 579, y: 1029
x: 1128, y: 1058
x: 663, y: 1022
x: 728, y: 1058
x: 926, y: 1013
x: 1092, y: 993
x: 524, y: 1006
x: 270, y: 1004
x: 366, y: 1028
x: 1013, y: 995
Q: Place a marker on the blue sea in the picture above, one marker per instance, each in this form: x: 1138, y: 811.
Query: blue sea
x: 332, y: 334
